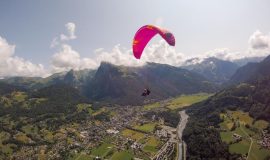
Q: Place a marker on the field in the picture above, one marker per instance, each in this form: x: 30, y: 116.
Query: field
x: 84, y: 157
x: 19, y: 96
x: 85, y: 107
x: 148, y: 127
x: 105, y: 151
x: 151, y: 106
x: 30, y: 129
x: 102, y: 150
x: 123, y: 155
x: 258, y: 153
x: 179, y: 102
x: 99, y: 111
x: 226, y: 136
x: 261, y: 124
x: 21, y: 137
x: 48, y: 135
x: 240, y: 147
x: 7, y: 148
x: 151, y: 145
x: 240, y: 120
x: 133, y: 134
x: 80, y: 156
x: 243, y: 117
x: 187, y: 100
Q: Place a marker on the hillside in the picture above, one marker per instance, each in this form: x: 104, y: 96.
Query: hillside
x: 8, y: 88
x: 53, y: 99
x: 251, y: 71
x: 251, y: 98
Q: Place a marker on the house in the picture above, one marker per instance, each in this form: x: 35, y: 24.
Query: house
x: 136, y: 145
x: 112, y: 131
x: 162, y: 133
x: 237, y: 137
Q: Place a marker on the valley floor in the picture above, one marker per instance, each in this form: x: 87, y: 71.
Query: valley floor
x: 116, y: 132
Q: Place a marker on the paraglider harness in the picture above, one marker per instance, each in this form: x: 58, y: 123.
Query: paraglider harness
x: 146, y: 92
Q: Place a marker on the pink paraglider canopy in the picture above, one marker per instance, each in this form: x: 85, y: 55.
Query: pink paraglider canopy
x: 145, y: 34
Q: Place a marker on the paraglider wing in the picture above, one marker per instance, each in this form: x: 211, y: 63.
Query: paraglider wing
x: 145, y: 34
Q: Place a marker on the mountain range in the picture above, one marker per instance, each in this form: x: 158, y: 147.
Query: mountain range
x: 124, y: 84
x: 215, y: 70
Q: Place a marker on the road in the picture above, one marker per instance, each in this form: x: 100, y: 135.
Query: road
x: 180, y: 128
x: 251, y: 140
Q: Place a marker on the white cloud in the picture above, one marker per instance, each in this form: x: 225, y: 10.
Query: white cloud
x: 118, y: 56
x: 220, y: 53
x: 55, y: 42
x: 224, y: 54
x: 16, y: 66
x: 70, y: 29
x: 227, y: 54
x: 258, y: 40
x: 259, y: 46
x: 161, y: 52
x: 6, y: 50
x: 67, y: 58
x: 11, y: 65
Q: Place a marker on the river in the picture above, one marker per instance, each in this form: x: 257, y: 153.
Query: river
x: 180, y: 128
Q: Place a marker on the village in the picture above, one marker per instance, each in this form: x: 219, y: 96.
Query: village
x: 265, y: 142
x: 127, y: 131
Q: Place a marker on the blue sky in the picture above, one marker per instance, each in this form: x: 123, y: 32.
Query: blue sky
x: 199, y: 26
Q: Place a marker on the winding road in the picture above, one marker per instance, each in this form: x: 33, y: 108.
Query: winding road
x: 180, y: 128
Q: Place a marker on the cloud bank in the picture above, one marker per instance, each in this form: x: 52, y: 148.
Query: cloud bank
x: 67, y: 58
x: 11, y: 65
x: 258, y: 46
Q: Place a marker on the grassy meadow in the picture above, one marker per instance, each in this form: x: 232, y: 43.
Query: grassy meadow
x: 187, y: 100
x: 238, y: 122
